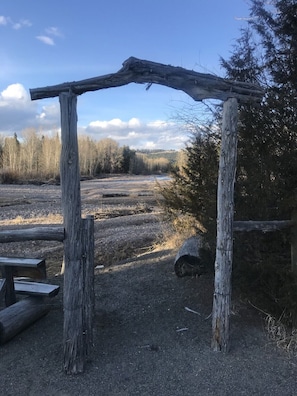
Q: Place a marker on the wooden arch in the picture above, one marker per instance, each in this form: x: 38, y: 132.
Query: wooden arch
x: 199, y: 87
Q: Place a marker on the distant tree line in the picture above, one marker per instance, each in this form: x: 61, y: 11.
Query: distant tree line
x: 37, y: 156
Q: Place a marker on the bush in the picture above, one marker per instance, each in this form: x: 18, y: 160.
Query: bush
x: 8, y: 177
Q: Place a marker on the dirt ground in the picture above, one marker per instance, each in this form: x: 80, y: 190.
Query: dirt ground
x: 147, y: 341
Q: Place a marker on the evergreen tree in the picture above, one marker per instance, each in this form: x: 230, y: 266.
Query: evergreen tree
x: 266, y: 180
x: 193, y: 186
x: 267, y: 160
x: 128, y: 157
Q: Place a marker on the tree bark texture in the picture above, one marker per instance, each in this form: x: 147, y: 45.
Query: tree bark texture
x: 224, y: 249
x: 74, y: 346
x: 197, y: 85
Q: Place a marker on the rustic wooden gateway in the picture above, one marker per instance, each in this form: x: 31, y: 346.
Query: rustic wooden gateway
x: 78, y: 304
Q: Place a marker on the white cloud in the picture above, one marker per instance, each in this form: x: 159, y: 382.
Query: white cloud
x: 48, y: 37
x: 157, y: 124
x: 116, y: 122
x: 13, y: 92
x: 134, y: 123
x: 53, y: 31
x: 4, y: 20
x: 21, y: 23
x: 46, y: 40
x: 49, y: 115
x: 7, y: 21
x: 136, y: 134
x: 149, y: 145
x: 18, y: 112
x: 16, y: 109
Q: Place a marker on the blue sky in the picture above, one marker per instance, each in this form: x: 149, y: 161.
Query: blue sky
x: 50, y: 42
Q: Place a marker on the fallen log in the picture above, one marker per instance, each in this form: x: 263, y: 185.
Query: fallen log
x: 189, y: 260
x: 20, y: 315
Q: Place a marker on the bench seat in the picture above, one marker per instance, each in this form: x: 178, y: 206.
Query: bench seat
x: 28, y: 267
x: 36, y: 289
x: 20, y: 261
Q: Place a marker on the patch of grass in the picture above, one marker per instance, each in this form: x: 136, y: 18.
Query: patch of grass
x: 48, y: 219
x: 175, y: 232
x: 283, y: 336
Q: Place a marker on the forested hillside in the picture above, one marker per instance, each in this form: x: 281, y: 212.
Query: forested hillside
x: 37, y: 156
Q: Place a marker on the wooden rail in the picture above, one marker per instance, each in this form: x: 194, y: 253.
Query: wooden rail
x: 264, y: 226
x: 33, y: 234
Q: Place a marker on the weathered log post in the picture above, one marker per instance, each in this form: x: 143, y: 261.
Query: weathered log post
x: 294, y: 243
x: 88, y: 268
x: 224, y: 249
x: 74, y: 343
x: 294, y: 254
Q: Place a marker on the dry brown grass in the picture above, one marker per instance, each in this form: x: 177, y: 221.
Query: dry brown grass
x: 284, y: 337
x: 278, y: 333
x: 177, y: 231
x: 19, y: 220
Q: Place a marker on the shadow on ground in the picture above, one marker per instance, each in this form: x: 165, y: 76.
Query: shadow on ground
x: 147, y: 343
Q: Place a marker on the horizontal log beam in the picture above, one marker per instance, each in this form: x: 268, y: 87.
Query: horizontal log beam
x: 199, y: 86
x: 33, y: 234
x: 264, y: 226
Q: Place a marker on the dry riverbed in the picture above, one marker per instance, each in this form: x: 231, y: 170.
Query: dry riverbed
x: 128, y: 219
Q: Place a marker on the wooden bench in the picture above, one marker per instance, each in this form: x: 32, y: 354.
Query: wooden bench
x: 20, y: 314
x: 25, y: 267
x: 33, y: 268
x: 36, y: 289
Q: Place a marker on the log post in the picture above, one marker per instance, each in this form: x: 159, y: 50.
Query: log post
x: 74, y: 346
x: 88, y: 268
x: 294, y: 255
x: 294, y: 244
x: 224, y: 249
